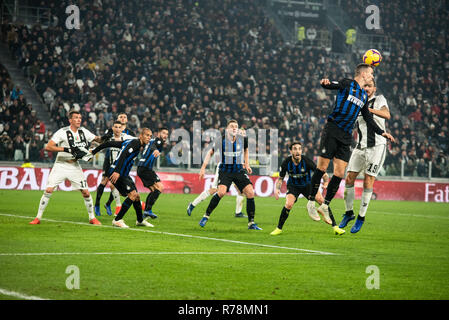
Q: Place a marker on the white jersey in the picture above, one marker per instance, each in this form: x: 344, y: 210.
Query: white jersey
x: 81, y: 138
x: 367, y: 138
x: 113, y: 152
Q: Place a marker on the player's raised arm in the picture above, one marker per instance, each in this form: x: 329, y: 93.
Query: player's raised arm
x: 205, y: 163
x: 331, y: 85
x: 280, y: 180
x: 383, y: 113
x: 109, y: 144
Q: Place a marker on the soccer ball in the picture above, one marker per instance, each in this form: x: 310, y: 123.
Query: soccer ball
x: 372, y: 57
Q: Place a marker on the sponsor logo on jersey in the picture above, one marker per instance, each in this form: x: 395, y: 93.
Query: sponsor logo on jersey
x: 355, y: 100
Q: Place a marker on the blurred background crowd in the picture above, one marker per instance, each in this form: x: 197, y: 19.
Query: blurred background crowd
x: 168, y: 63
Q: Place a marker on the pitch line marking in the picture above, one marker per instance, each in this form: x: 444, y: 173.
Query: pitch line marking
x: 180, y: 235
x: 382, y: 212
x: 149, y: 253
x: 19, y: 295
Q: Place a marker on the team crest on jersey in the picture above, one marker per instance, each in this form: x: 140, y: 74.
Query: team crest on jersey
x: 76, y: 141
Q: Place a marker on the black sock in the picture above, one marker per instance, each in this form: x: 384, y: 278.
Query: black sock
x: 360, y: 218
x: 250, y: 209
x: 332, y: 217
x: 151, y: 199
x: 316, y: 181
x: 332, y: 189
x: 349, y: 213
x: 111, y: 197
x: 213, y: 204
x: 100, y: 190
x: 284, y: 215
x: 125, y: 206
x: 138, y: 207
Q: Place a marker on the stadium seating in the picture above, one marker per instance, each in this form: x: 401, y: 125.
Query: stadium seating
x: 172, y: 62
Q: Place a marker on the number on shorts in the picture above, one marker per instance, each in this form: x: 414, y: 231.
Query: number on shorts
x: 372, y: 168
x: 83, y: 184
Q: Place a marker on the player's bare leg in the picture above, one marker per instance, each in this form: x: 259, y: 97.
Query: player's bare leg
x: 45, y: 199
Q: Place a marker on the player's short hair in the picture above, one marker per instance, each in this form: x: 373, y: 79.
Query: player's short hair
x: 361, y: 67
x: 145, y: 129
x: 231, y: 121
x: 290, y: 147
x: 72, y: 112
x: 163, y: 128
x: 121, y: 114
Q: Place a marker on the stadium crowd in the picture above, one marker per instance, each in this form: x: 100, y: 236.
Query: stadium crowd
x: 167, y: 63
x: 22, y: 134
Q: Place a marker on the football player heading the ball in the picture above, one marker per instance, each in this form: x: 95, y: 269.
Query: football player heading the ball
x: 336, y: 137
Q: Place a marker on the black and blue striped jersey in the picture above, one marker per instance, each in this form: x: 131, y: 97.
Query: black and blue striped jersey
x: 232, y: 154
x: 299, y: 175
x: 112, y: 152
x: 350, y: 101
x: 129, y: 150
x: 148, y: 159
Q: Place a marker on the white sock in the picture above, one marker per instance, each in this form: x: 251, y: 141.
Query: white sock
x: 89, y: 206
x: 203, y: 196
x: 349, y: 196
x: 366, y: 197
x: 239, y: 203
x: 45, y: 199
x: 116, y: 196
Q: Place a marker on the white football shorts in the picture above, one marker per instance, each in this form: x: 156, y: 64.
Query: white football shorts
x: 62, y: 171
x: 369, y: 160
x: 215, y: 181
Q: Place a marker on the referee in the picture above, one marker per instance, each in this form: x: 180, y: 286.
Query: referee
x: 336, y: 136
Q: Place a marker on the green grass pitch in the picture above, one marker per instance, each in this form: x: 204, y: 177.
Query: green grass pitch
x: 407, y: 242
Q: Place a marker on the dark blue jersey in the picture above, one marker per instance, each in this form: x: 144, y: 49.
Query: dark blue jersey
x: 232, y: 154
x: 125, y: 159
x: 299, y: 175
x: 148, y: 159
x: 351, y: 98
